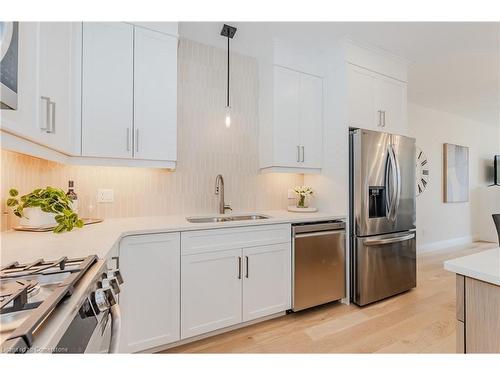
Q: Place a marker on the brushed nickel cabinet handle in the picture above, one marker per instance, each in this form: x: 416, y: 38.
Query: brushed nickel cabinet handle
x: 128, y: 139
x: 303, y: 153
x: 379, y: 119
x: 52, y: 106
x: 239, y: 268
x: 298, y: 154
x: 383, y: 118
x: 246, y: 259
x: 136, y: 140
x: 46, y: 120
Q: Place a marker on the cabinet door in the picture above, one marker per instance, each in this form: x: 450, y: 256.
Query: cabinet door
x: 390, y: 97
x: 150, y: 296
x: 266, y: 280
x: 23, y: 120
x: 210, y: 291
x: 286, y: 118
x: 311, y: 120
x: 107, y: 89
x: 56, y: 62
x: 360, y: 98
x: 155, y: 95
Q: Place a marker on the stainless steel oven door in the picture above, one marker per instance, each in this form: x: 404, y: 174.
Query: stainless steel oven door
x: 384, y: 266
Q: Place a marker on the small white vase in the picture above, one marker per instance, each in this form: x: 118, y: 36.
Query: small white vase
x: 35, y: 217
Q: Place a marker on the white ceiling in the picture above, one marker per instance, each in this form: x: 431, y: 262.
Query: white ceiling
x: 454, y: 66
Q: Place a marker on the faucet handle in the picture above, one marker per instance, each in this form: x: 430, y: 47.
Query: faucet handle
x: 227, y: 207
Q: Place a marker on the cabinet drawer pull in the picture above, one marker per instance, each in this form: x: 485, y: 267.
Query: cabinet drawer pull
x: 379, y: 119
x: 128, y: 139
x: 239, y: 268
x: 246, y: 259
x: 303, y: 154
x: 298, y: 154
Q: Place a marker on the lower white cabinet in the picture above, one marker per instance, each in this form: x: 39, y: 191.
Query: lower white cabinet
x: 223, y: 285
x: 266, y: 280
x: 211, y: 291
x: 150, y: 295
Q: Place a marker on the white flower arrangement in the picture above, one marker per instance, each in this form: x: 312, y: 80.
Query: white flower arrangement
x: 302, y: 192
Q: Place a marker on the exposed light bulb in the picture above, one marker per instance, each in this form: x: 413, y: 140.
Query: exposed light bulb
x: 228, y: 117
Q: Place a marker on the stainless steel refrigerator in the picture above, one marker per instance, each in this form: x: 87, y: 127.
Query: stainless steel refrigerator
x: 382, y: 215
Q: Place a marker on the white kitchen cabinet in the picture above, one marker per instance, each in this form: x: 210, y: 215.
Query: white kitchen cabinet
x: 48, y: 84
x: 266, y: 280
x: 233, y: 275
x: 286, y: 138
x: 57, y: 84
x: 297, y: 122
x: 107, y: 89
x: 375, y: 101
x: 311, y: 120
x: 210, y: 291
x: 150, y: 293
x: 129, y: 94
x: 155, y: 95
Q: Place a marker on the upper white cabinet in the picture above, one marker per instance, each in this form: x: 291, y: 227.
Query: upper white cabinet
x: 150, y: 294
x: 375, y: 101
x: 155, y: 95
x: 100, y: 93
x: 107, y: 89
x: 291, y: 114
x: 49, y: 62
x: 129, y: 92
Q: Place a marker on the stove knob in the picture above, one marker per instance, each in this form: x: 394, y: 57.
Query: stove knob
x: 117, y: 275
x: 112, y: 283
x: 104, y: 299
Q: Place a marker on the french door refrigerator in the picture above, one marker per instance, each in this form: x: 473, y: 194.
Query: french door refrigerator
x: 382, y: 215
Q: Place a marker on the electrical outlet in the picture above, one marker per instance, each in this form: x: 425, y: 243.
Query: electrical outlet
x: 105, y: 196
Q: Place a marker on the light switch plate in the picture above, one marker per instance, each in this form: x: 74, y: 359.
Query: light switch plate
x: 291, y: 194
x: 105, y: 196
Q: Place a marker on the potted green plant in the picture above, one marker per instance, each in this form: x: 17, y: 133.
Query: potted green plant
x: 45, y: 207
x: 302, y: 193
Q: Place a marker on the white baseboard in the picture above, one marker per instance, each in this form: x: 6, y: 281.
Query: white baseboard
x: 446, y: 244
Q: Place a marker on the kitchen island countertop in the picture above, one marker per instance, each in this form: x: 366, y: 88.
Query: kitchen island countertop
x: 483, y: 266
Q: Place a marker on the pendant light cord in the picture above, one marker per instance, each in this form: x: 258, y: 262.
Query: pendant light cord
x: 228, y: 71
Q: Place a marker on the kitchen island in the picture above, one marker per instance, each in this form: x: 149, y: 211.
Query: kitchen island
x: 478, y: 301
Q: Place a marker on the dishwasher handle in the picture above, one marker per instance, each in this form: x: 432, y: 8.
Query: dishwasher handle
x: 317, y: 234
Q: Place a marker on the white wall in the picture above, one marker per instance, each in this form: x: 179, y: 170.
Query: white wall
x: 441, y: 224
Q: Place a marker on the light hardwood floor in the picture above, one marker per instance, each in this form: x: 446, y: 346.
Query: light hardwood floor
x: 422, y: 320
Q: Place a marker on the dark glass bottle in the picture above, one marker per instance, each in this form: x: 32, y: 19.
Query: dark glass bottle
x: 72, y: 195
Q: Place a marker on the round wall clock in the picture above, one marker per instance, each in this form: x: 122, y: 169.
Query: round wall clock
x: 422, y: 172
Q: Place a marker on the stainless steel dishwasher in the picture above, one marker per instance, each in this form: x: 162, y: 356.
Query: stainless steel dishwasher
x: 318, y: 263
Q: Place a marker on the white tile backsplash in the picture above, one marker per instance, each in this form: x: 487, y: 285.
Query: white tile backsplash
x: 205, y: 149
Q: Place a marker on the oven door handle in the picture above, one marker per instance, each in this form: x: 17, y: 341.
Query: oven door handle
x: 116, y: 325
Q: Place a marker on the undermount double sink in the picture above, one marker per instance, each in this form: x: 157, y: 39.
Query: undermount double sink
x: 221, y: 219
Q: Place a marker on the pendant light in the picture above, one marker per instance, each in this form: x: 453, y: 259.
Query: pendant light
x: 228, y: 32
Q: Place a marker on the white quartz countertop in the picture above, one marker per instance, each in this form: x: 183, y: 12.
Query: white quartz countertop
x: 484, y: 266
x: 100, y: 238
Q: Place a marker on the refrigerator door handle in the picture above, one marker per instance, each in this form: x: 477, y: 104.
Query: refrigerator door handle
x: 388, y: 239
x: 398, y: 184
x: 391, y: 194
